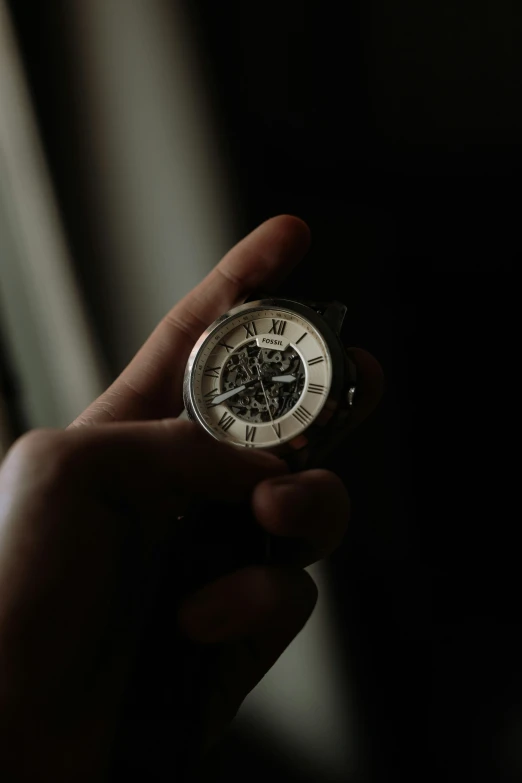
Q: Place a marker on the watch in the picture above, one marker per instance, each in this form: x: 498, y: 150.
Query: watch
x: 273, y: 374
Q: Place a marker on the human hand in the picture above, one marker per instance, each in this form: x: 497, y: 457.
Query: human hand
x: 83, y: 509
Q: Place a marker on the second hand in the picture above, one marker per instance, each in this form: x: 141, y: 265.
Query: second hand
x: 264, y: 392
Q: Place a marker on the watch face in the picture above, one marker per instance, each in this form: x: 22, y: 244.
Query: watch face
x: 260, y: 377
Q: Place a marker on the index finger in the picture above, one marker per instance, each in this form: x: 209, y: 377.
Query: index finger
x: 150, y: 387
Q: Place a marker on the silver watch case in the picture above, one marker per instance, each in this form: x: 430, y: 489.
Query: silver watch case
x: 338, y: 402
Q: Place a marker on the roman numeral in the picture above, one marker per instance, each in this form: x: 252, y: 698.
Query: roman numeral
x: 302, y: 415
x: 315, y: 388
x: 317, y: 360
x: 212, y: 372
x: 226, y: 421
x: 228, y: 347
x: 209, y: 395
x: 250, y: 328
x: 301, y: 338
x: 250, y: 434
x: 278, y: 327
x: 277, y: 430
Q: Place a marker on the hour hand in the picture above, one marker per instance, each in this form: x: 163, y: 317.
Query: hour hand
x: 230, y: 393
x: 283, y: 378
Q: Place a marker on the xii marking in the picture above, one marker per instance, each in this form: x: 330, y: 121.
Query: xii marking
x: 278, y: 327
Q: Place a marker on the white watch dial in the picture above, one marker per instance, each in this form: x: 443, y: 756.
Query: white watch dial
x: 261, y: 378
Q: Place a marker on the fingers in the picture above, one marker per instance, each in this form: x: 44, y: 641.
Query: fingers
x: 247, y: 603
x: 81, y: 504
x: 256, y: 613
x: 149, y: 465
x: 263, y: 258
x: 150, y: 386
x: 312, y: 506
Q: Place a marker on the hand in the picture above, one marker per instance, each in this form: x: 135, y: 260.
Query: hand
x: 82, y: 515
x: 72, y: 501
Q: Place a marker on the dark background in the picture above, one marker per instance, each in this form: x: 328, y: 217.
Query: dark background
x: 393, y: 129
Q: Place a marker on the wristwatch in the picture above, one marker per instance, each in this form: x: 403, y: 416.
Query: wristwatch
x: 273, y: 374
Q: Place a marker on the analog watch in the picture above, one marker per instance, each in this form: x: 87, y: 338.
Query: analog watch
x: 273, y: 374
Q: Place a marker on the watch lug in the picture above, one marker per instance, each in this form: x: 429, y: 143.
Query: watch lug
x: 334, y: 315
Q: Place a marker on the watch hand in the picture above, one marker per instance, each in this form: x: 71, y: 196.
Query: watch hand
x: 230, y: 393
x: 264, y: 392
x: 283, y: 378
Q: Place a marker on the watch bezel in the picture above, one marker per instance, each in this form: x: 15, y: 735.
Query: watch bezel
x: 317, y: 428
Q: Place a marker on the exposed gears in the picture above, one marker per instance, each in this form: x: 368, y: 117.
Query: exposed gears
x: 249, y: 364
